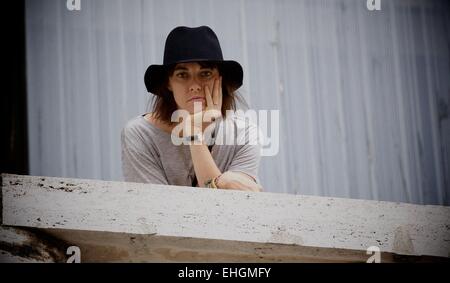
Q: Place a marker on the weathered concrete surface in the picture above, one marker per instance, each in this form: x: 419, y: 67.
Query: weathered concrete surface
x: 117, y: 221
x: 20, y: 245
x: 27, y: 245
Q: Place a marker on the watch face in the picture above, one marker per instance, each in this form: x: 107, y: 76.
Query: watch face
x: 192, y: 138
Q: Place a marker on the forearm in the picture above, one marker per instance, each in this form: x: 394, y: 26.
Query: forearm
x: 204, y: 165
x: 206, y: 169
x: 235, y: 180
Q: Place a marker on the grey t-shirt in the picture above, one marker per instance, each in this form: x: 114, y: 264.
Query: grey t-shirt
x: 150, y: 156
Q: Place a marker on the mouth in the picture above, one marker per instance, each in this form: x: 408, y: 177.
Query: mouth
x: 197, y: 98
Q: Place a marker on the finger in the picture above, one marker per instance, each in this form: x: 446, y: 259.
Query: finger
x: 216, y: 91
x: 209, y: 101
x: 211, y: 115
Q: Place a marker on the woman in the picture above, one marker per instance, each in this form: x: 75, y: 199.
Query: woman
x: 193, y: 83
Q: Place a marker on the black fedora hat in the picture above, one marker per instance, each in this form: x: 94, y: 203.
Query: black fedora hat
x: 185, y: 44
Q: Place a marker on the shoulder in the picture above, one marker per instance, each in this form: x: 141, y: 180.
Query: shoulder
x: 138, y: 132
x: 244, y: 122
x: 134, y: 126
x: 245, y: 128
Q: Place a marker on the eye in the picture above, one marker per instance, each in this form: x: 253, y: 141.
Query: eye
x: 181, y: 75
x: 206, y: 74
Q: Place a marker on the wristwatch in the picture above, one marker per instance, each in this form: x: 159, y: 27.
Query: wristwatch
x: 193, y: 138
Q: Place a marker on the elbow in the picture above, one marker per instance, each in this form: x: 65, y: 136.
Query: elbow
x: 248, y: 186
x: 238, y: 181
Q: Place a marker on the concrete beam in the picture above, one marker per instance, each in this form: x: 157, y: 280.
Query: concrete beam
x: 118, y: 221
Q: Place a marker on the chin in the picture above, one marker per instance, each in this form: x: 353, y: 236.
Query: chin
x: 192, y: 112
x: 198, y: 109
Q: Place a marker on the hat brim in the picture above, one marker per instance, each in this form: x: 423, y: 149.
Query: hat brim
x: 231, y: 71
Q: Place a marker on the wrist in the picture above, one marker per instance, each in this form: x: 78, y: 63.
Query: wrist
x: 218, y: 181
x: 194, y: 139
x: 213, y: 183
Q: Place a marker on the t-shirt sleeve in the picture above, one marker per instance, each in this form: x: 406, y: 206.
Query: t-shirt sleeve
x: 247, y: 156
x: 246, y: 160
x: 140, y: 163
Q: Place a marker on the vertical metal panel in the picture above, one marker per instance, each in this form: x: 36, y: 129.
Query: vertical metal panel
x: 363, y: 95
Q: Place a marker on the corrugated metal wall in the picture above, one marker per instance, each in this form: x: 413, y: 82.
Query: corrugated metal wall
x: 363, y: 95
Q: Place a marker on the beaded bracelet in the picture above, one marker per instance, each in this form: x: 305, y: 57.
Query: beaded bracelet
x: 212, y: 183
x: 216, y: 181
x: 209, y: 184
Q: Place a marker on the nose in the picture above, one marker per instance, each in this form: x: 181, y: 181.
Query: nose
x: 195, y: 85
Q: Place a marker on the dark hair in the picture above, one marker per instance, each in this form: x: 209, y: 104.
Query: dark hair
x: 164, y: 103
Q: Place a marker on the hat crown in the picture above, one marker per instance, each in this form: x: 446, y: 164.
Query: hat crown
x: 184, y: 44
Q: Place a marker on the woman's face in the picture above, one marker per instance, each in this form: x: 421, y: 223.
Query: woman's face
x: 188, y: 82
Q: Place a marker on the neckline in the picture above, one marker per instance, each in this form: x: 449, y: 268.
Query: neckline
x: 147, y: 122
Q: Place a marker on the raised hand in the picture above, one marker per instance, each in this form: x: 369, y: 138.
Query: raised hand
x: 213, y: 109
